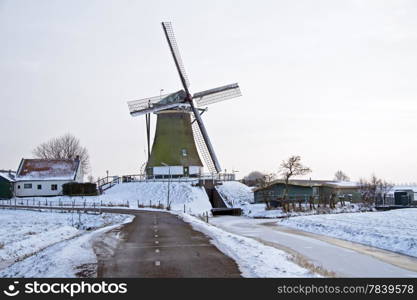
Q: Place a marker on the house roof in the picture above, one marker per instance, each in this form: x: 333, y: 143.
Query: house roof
x: 8, y: 175
x: 314, y: 183
x: 47, y: 169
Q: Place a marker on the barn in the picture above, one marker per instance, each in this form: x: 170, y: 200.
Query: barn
x: 7, y: 179
x: 299, y: 189
x: 45, y: 177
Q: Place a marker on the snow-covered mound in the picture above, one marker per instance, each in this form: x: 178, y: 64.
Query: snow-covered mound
x: 137, y: 194
x: 394, y: 230
x: 235, y: 193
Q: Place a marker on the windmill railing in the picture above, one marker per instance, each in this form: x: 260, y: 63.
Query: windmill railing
x: 110, y: 181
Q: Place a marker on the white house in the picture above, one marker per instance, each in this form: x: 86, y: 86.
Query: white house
x: 45, y: 177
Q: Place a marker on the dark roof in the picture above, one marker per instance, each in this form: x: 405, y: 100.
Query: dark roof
x: 312, y: 183
x: 8, y: 175
x: 47, y: 169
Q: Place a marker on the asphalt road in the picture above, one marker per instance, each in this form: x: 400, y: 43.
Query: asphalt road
x: 160, y: 245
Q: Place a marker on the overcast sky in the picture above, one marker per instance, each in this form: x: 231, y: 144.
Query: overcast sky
x: 332, y: 81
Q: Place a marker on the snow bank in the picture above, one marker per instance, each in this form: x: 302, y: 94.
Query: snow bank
x: 253, y: 258
x: 23, y: 232
x: 394, y: 230
x: 235, y: 193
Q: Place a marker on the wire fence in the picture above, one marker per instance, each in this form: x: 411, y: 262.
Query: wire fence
x: 82, y: 205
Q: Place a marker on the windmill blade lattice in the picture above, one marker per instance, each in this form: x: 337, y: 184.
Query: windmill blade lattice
x: 202, y: 147
x: 138, y: 105
x: 170, y: 36
x: 222, y: 93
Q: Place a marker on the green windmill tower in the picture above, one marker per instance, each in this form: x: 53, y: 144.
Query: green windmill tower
x: 181, y: 138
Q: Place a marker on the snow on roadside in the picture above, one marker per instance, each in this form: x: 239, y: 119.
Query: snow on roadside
x: 253, y: 258
x: 25, y: 232
x: 63, y: 259
x: 394, y: 230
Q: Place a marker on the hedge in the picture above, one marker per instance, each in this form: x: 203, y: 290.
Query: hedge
x: 79, y: 189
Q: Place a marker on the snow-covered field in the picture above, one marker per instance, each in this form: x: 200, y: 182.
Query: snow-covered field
x: 394, y: 230
x: 24, y: 233
x: 253, y: 258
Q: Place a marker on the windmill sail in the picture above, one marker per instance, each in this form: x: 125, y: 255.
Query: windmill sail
x: 222, y: 93
x: 202, y: 148
x: 145, y: 103
x: 206, y: 138
x: 173, y: 46
x: 154, y: 104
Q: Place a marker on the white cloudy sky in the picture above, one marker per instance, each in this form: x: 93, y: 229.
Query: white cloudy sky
x: 332, y: 81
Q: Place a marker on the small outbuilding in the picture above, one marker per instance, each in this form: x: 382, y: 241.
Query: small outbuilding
x: 301, y: 190
x: 45, y: 177
x: 7, y: 179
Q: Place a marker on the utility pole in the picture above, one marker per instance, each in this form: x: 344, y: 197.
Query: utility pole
x: 169, y: 181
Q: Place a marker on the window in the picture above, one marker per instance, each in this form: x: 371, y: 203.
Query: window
x: 54, y: 187
x: 184, y: 152
x: 39, y: 186
x: 27, y: 185
x: 18, y: 186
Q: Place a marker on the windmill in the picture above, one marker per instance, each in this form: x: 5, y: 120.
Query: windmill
x: 179, y: 126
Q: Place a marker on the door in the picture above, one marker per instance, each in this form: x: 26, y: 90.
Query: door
x: 186, y: 171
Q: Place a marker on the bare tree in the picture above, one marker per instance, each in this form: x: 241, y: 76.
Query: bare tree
x: 64, y: 147
x: 372, y: 188
x: 385, y: 187
x: 369, y: 188
x: 289, y: 168
x: 266, y: 179
x: 341, y: 176
x: 254, y: 178
x: 263, y: 182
